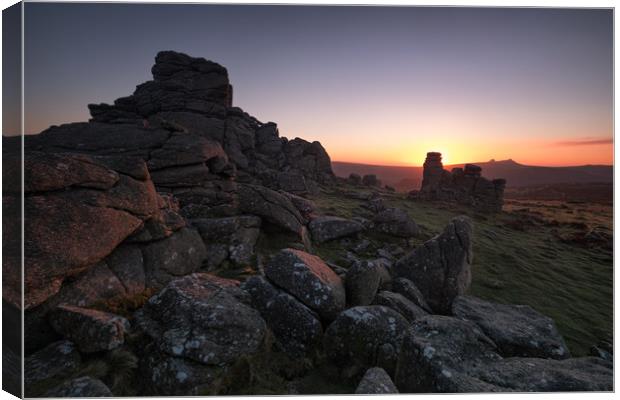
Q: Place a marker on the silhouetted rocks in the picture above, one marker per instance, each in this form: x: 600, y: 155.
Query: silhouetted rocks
x: 462, y: 185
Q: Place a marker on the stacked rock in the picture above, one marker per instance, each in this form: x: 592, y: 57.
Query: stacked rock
x: 433, y: 170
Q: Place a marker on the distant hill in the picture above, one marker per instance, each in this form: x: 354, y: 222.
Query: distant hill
x: 517, y: 175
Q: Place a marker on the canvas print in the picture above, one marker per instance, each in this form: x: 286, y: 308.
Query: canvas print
x: 208, y: 199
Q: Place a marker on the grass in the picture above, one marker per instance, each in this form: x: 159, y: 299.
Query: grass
x: 529, y: 265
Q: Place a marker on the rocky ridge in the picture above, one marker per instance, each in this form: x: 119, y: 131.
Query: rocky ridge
x: 132, y: 216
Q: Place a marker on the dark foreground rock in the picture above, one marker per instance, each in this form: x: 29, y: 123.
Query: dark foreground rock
x: 203, y: 318
x: 50, y: 366
x: 448, y: 355
x: 365, y: 336
x: 84, y: 386
x: 401, y: 304
x: 91, y: 330
x: 308, y: 279
x: 297, y: 329
x: 517, y: 330
x: 441, y: 267
x: 376, y: 381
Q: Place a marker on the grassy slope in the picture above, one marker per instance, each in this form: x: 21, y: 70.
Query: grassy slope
x: 572, y: 285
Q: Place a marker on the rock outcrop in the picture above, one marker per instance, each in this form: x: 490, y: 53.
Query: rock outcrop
x: 461, y: 185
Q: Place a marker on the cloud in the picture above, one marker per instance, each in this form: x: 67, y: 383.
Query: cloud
x: 586, y: 142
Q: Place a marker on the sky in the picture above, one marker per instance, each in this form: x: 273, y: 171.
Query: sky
x: 374, y: 85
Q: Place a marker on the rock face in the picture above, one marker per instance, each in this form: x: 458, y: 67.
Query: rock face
x: 401, y: 304
x: 203, y: 318
x: 376, y: 381
x: 448, y: 355
x: 517, y: 330
x: 462, y: 185
x: 326, y: 228
x: 441, y: 267
x: 365, y: 336
x: 362, y: 282
x: 310, y: 280
x: 91, y: 330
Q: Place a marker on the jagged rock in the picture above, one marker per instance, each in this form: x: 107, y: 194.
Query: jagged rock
x: 376, y: 381
x: 401, y: 304
x: 166, y: 375
x: 49, y: 366
x: 411, y: 292
x: 326, y: 228
x: 188, y: 149
x: 362, y: 282
x: 231, y: 238
x: 272, y: 206
x: 84, y: 386
x: 178, y: 255
x: 203, y: 318
x: 310, y: 159
x: 371, y: 180
x: 297, y: 328
x: 91, y: 330
x: 396, y: 222
x: 517, y: 330
x: 61, y: 223
x: 309, y: 279
x: 360, y: 334
x: 441, y: 267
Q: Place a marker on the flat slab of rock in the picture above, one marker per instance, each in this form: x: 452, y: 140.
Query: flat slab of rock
x: 376, y: 381
x: 326, y: 228
x: 297, y: 329
x: 270, y: 205
x: 441, y: 267
x: 84, y: 386
x: 308, y: 279
x: 517, y: 330
x: 408, y: 289
x: 91, y: 330
x: 365, y: 336
x: 203, y: 318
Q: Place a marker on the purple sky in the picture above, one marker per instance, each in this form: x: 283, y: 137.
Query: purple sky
x: 373, y: 84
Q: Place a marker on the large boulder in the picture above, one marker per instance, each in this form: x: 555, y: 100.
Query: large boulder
x: 231, y: 238
x: 517, y: 330
x: 376, y: 381
x: 362, y: 282
x: 441, y: 267
x: 203, y: 318
x: 326, y: 228
x: 91, y: 330
x: 310, y: 280
x: 178, y: 255
x: 270, y: 205
x: 365, y: 336
x: 396, y: 222
x: 297, y: 329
